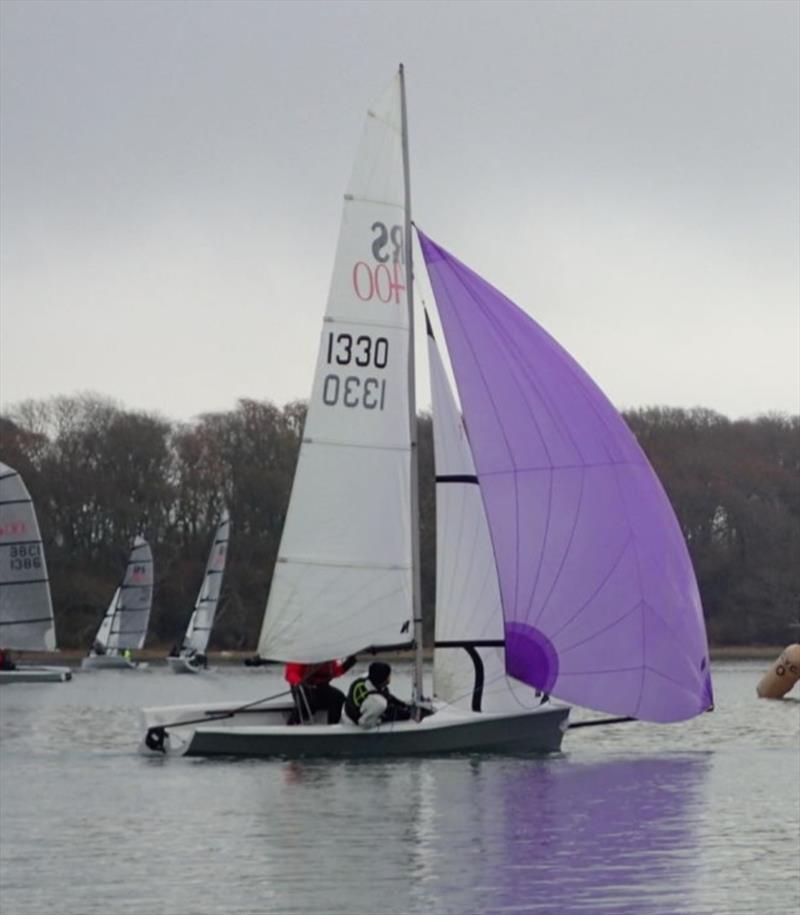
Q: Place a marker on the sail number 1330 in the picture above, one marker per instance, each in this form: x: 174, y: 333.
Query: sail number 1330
x: 353, y: 390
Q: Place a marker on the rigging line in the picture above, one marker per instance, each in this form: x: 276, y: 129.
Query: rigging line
x: 566, y: 551
x: 563, y: 650
x: 599, y: 722
x: 585, y: 465
x: 160, y: 730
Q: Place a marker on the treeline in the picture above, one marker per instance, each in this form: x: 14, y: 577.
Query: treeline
x: 99, y: 474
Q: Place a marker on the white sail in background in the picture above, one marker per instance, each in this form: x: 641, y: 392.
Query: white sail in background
x: 104, y: 631
x: 26, y: 608
x: 468, y: 605
x: 125, y: 622
x: 198, y: 631
x: 342, y: 581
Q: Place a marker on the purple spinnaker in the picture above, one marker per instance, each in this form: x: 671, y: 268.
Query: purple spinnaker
x: 600, y: 600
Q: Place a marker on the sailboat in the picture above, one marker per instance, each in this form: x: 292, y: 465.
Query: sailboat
x: 191, y: 655
x: 26, y: 608
x: 124, y: 626
x: 562, y: 571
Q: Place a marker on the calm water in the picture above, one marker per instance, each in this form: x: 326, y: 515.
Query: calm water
x: 701, y: 817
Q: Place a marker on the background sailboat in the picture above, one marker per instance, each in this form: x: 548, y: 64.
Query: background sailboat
x: 192, y: 652
x: 124, y: 626
x: 26, y: 608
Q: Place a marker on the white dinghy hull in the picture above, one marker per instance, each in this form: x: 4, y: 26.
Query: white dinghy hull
x: 36, y: 675
x: 448, y: 731
x: 110, y: 662
x: 183, y: 665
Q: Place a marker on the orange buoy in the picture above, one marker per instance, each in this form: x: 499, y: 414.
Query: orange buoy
x: 782, y: 676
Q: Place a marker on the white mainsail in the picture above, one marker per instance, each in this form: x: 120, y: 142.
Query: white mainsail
x: 104, y: 632
x: 343, y: 577
x: 469, y: 660
x: 125, y: 622
x: 198, y: 631
x: 26, y: 608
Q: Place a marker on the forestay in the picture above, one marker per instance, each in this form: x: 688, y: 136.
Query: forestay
x: 469, y: 659
x: 198, y: 631
x: 26, y: 609
x: 342, y: 581
x: 130, y: 611
x: 599, y: 596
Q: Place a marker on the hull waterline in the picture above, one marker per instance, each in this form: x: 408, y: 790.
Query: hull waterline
x: 33, y: 674
x: 181, y: 665
x: 110, y: 662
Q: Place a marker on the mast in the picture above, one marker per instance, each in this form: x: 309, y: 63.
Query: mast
x: 412, y: 407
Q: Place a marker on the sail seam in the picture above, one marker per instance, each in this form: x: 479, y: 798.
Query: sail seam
x: 27, y: 581
x: 567, y: 548
x: 334, y: 444
x: 340, y: 564
x: 596, y: 591
x: 359, y: 322
x: 19, y: 622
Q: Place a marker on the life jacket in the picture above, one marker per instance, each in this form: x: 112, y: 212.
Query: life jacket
x: 360, y: 688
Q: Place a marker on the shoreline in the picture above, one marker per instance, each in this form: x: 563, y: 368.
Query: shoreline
x: 157, y: 653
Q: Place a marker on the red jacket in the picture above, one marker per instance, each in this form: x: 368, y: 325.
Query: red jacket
x: 314, y: 674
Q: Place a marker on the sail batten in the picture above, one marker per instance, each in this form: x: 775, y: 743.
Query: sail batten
x: 580, y: 525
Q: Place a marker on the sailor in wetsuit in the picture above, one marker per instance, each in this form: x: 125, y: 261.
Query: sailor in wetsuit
x: 369, y: 702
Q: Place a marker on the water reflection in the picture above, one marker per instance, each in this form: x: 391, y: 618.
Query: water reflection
x: 487, y: 836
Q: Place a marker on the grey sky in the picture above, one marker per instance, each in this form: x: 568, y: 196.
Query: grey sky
x: 172, y: 177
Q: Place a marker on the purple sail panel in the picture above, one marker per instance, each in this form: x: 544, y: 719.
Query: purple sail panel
x: 599, y: 596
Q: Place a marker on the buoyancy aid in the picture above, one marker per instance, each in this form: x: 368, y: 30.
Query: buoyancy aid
x: 360, y: 688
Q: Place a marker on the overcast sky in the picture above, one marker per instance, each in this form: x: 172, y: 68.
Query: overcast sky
x: 172, y: 177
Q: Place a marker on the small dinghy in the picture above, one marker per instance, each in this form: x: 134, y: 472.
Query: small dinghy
x: 124, y: 626
x: 191, y: 656
x: 562, y: 570
x: 26, y: 607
